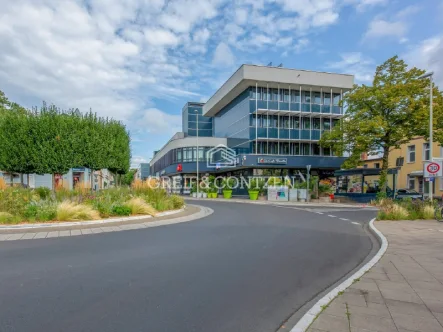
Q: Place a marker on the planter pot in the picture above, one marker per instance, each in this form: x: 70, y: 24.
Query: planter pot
x: 199, y: 195
x: 212, y: 195
x: 194, y: 195
x: 204, y: 195
x: 227, y: 194
x: 253, y: 195
x: 302, y: 194
x: 293, y: 195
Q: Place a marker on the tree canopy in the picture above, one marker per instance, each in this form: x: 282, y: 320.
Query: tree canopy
x: 51, y: 141
x: 385, y: 115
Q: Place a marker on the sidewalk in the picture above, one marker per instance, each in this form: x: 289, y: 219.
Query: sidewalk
x: 402, y: 292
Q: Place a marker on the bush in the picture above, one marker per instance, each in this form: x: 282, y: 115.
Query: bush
x: 139, y: 206
x: 177, y: 201
x: 68, y: 211
x: 393, y: 212
x: 46, y: 211
x: 121, y: 210
x: 428, y: 212
x: 43, y: 192
x: 7, y: 218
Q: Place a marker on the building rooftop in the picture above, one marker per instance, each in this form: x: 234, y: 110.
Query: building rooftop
x: 273, y: 77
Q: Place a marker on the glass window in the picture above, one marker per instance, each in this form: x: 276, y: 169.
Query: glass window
x: 295, y: 122
x: 286, y: 96
x: 317, y: 97
x: 426, y: 151
x: 253, y: 94
x: 326, y: 124
x: 377, y: 165
x: 335, y: 122
x: 274, y: 94
x: 296, y: 149
x: 253, y: 120
x: 266, y: 121
x: 336, y: 98
x: 306, y: 123
x: 326, y: 151
x: 285, y: 148
x: 265, y: 147
x: 315, y: 149
x: 411, y: 154
x: 327, y: 98
x: 295, y: 96
x: 306, y: 149
x: 316, y: 123
x: 286, y: 122
x: 179, y: 155
x: 411, y: 182
x: 307, y: 96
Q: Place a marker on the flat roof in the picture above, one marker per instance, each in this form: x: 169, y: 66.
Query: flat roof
x: 250, y: 75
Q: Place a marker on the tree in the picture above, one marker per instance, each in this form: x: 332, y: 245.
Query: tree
x: 383, y: 116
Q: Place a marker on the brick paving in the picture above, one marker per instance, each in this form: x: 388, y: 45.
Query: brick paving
x: 403, y: 292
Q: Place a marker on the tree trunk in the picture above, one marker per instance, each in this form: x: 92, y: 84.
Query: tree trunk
x: 384, y: 170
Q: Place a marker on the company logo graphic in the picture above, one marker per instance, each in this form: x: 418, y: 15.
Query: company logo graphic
x: 221, y: 156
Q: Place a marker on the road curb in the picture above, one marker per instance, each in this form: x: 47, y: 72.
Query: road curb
x: 307, y: 319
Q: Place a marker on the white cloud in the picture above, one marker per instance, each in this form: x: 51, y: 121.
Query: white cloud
x: 137, y: 160
x: 161, y: 37
x: 427, y: 55
x: 155, y: 121
x: 223, y: 55
x: 355, y: 63
x: 363, y: 5
x: 381, y: 28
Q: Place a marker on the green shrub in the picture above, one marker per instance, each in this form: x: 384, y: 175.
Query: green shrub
x: 43, y: 192
x: 30, y: 212
x: 46, y: 212
x: 7, y: 218
x: 121, y: 210
x: 177, y: 201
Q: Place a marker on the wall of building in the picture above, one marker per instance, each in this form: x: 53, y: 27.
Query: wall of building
x: 233, y: 120
x: 411, y: 173
x: 190, y: 113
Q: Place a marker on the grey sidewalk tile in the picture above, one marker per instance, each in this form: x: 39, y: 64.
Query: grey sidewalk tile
x: 96, y: 230
x: 331, y: 323
x: 439, y: 317
x: 396, y: 277
x: 367, y: 285
x: 107, y: 229
x: 373, y: 309
x: 374, y: 297
x: 350, y: 298
x: 394, y: 285
x: 401, y: 295
x: 52, y: 234
x: 408, y: 308
x: 376, y: 276
x: 41, y: 235
x: 75, y: 232
x: 314, y: 330
x: 86, y: 231
x: 434, y: 305
x: 13, y: 237
x: 368, y: 322
x: 28, y: 236
x: 336, y: 309
x: 431, y: 294
x: 64, y: 233
x: 417, y: 323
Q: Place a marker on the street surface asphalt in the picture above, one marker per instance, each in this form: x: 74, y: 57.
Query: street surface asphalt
x: 245, y: 268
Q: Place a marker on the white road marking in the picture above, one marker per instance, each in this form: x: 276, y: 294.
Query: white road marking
x: 344, y: 219
x: 330, y: 215
x: 319, y: 212
x: 356, y: 223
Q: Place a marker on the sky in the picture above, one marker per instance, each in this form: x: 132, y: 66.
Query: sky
x: 140, y: 61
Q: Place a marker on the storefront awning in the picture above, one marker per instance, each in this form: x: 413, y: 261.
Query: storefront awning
x: 416, y: 173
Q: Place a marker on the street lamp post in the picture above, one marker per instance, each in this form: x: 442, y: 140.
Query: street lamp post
x: 198, y: 184
x: 431, y: 130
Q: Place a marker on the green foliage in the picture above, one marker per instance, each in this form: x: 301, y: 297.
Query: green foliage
x: 228, y: 183
x: 121, y: 210
x: 383, y: 116
x: 51, y: 141
x: 406, y: 209
x: 177, y: 201
x: 43, y: 192
x: 129, y: 177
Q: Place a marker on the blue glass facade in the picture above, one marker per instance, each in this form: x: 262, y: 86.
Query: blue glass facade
x: 190, y: 113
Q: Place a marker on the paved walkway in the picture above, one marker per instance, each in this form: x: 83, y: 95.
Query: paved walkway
x: 191, y: 212
x: 402, y: 292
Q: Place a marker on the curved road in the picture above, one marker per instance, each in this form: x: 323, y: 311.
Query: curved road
x: 244, y: 268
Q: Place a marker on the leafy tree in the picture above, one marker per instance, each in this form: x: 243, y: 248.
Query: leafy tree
x: 383, y: 116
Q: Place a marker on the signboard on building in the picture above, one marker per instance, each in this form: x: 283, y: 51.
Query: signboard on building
x: 272, y: 161
x: 432, y: 169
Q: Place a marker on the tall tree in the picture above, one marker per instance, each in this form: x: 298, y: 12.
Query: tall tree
x: 383, y: 116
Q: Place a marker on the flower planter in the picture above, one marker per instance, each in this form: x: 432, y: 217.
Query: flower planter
x: 199, y: 195
x: 205, y: 195
x: 293, y: 195
x: 253, y: 194
x: 227, y: 194
x: 302, y: 194
x: 194, y: 195
x: 212, y: 195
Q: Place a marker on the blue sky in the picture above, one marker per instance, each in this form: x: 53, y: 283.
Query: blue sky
x: 140, y: 61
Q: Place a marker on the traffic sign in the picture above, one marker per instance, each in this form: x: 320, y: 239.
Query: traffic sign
x: 433, y: 169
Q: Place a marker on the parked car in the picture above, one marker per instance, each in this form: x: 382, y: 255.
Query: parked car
x: 404, y: 193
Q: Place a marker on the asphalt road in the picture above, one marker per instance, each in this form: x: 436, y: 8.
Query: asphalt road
x: 244, y: 268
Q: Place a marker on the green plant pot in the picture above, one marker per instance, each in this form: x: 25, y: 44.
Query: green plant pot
x: 227, y: 194
x: 211, y: 195
x: 253, y: 194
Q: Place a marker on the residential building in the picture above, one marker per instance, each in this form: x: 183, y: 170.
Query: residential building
x: 272, y: 117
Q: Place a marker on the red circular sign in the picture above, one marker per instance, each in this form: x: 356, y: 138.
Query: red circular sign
x: 433, y: 168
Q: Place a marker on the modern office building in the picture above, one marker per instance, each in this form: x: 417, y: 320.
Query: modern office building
x: 271, y: 117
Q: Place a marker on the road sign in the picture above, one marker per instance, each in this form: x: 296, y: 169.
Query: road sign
x: 433, y: 169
